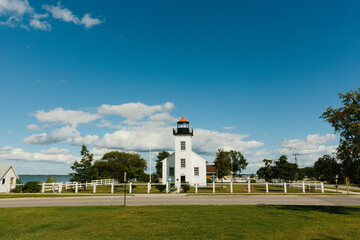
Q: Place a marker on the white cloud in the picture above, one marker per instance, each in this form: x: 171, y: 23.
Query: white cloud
x: 208, y: 141
x: 18, y: 7
x: 66, y: 15
x: 33, y: 127
x: 66, y: 133
x: 12, y: 21
x: 228, y: 128
x: 89, y: 22
x: 134, y: 111
x: 59, y: 12
x: 108, y: 124
x: 87, y: 140
x: 144, y: 127
x: 59, y: 115
x: 314, y: 143
x: 55, y: 150
x: 51, y: 155
x: 159, y: 137
x: 308, y: 150
x: 39, y: 24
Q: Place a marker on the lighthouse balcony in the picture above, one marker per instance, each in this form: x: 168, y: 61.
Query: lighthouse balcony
x: 177, y: 131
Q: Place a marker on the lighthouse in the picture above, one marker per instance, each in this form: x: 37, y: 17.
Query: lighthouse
x: 183, y: 166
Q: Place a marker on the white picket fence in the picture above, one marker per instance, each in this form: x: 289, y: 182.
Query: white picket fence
x: 302, y: 187
x: 53, y: 187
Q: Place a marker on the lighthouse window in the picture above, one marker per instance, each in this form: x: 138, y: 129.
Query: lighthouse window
x: 196, y: 171
x: 3, y: 181
x: 183, y: 164
x: 183, y: 146
x: 171, y: 171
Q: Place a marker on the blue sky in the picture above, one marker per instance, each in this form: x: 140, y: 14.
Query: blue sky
x: 253, y: 76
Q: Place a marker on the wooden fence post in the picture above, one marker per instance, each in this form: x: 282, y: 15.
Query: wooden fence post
x: 94, y: 188
x: 231, y: 186
x: 112, y: 187
x: 213, y: 186
x: 43, y: 187
x: 76, y: 187
x: 130, y: 187
x: 167, y: 187
x: 285, y: 190
x: 267, y: 187
x: 196, y: 188
x: 303, y: 186
x: 322, y: 187
x: 249, y: 189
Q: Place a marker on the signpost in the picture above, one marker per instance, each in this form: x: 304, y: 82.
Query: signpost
x: 125, y: 189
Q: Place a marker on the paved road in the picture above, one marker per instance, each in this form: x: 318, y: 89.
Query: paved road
x: 181, y: 199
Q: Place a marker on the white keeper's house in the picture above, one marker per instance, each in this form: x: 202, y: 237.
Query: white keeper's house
x: 8, y: 178
x: 183, y: 166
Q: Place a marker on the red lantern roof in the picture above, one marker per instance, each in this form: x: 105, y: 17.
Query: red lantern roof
x: 183, y: 120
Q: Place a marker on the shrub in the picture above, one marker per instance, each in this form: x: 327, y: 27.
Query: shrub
x: 209, y: 180
x: 185, y: 187
x: 32, y: 187
x: 161, y: 188
x: 18, y: 189
x: 252, y: 181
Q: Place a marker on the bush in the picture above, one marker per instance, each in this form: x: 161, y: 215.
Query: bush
x: 209, y: 180
x: 252, y: 181
x: 32, y: 187
x: 185, y: 187
x: 18, y: 189
x: 161, y: 188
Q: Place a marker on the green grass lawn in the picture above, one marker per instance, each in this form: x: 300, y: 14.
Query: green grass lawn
x: 181, y: 222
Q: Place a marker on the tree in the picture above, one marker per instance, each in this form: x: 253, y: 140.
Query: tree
x: 238, y: 162
x: 267, y: 171
x: 161, y: 156
x: 229, y: 161
x: 84, y: 170
x: 114, y: 164
x: 346, y: 122
x: 51, y: 180
x: 307, y: 172
x: 285, y: 170
x: 222, y: 163
x: 326, y: 168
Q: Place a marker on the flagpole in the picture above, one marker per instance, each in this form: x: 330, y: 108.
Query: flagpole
x: 150, y: 164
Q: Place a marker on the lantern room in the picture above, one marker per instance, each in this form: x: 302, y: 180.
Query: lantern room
x: 183, y: 127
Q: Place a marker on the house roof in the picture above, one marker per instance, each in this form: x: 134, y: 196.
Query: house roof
x: 4, y: 168
x: 211, y: 169
x: 183, y: 120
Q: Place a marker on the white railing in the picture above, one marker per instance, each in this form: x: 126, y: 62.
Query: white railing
x: 53, y: 187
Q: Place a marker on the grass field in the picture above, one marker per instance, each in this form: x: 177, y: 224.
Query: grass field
x: 181, y: 222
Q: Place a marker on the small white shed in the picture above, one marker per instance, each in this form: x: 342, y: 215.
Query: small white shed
x: 8, y: 178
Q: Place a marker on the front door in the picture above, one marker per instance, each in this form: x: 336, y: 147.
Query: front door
x: 183, y: 179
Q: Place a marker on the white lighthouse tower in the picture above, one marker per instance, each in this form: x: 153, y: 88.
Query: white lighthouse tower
x: 184, y: 166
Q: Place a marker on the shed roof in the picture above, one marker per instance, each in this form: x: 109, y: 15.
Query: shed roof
x: 4, y: 168
x: 211, y: 169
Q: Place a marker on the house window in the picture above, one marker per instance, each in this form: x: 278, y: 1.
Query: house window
x: 183, y: 164
x: 196, y: 171
x: 171, y: 172
x: 3, y: 181
x: 183, y: 146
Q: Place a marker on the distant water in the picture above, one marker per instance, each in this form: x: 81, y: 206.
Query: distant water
x: 42, y: 178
